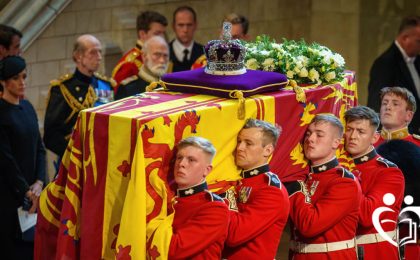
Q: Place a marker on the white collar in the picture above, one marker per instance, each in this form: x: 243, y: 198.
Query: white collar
x: 407, y: 59
x: 179, y: 49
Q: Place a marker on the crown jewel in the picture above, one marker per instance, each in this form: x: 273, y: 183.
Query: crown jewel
x: 226, y: 56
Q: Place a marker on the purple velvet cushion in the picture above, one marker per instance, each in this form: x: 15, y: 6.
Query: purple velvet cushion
x: 250, y: 83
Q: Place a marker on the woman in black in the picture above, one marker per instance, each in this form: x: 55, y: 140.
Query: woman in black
x: 22, y: 157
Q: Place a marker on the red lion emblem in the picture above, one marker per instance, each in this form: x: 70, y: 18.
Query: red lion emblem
x: 163, y: 155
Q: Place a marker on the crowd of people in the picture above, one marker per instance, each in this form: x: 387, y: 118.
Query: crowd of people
x: 330, y: 210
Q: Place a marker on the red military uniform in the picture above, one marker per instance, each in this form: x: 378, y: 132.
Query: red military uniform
x: 263, y: 208
x: 128, y: 65
x: 200, y: 224
x: 402, y: 134
x: 378, y: 177
x: 325, y: 214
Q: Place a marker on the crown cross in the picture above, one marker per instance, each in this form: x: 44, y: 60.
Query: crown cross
x: 227, y: 29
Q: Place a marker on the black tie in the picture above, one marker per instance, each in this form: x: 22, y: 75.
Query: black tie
x: 185, y: 59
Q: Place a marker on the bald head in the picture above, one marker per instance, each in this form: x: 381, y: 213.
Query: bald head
x: 87, y: 53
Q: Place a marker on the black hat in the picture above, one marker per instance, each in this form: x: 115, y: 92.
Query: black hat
x: 11, y: 66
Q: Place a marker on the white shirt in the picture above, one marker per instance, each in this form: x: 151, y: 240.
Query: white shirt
x: 179, y: 49
x: 411, y: 67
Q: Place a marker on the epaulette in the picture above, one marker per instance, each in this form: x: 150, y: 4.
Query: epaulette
x: 57, y: 82
x: 214, y: 197
x: 129, y: 79
x: 106, y: 79
x: 273, y: 179
x: 417, y: 137
x: 347, y: 174
x: 387, y: 163
x: 132, y: 56
x: 102, y: 77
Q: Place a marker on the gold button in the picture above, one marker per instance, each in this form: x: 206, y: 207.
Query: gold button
x: 80, y: 99
x: 77, y: 88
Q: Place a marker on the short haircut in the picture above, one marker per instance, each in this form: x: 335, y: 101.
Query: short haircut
x: 6, y: 35
x: 402, y: 93
x: 409, y: 22
x: 271, y: 133
x: 152, y: 40
x: 198, y: 142
x: 184, y: 8
x: 362, y: 112
x: 80, y: 44
x: 330, y: 119
x: 146, y: 18
x: 238, y: 19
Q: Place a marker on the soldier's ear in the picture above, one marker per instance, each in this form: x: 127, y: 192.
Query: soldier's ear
x: 336, y: 143
x: 268, y: 150
x: 409, y: 116
x: 375, y: 137
x: 142, y: 35
x: 208, y: 170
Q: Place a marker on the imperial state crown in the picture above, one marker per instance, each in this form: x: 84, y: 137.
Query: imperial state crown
x: 226, y: 56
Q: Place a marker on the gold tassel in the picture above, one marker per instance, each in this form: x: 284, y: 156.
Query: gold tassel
x: 241, y: 109
x: 154, y: 85
x: 300, y: 93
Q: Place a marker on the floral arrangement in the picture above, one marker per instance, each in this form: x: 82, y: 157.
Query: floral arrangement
x: 302, y: 62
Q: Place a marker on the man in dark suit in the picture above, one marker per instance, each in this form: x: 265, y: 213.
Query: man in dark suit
x: 399, y: 66
x: 185, y: 53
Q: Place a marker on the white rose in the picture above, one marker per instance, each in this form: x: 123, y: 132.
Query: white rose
x: 268, y: 64
x: 338, y: 60
x: 276, y: 46
x: 302, y: 60
x: 290, y: 74
x: 313, y: 75
x: 252, y: 64
x: 329, y: 76
x: 303, y: 73
x: 264, y: 53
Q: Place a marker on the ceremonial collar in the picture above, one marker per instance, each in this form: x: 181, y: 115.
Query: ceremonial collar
x: 191, y: 190
x: 325, y: 166
x: 366, y: 157
x: 255, y: 171
x: 82, y: 77
x: 397, y: 134
x: 144, y: 73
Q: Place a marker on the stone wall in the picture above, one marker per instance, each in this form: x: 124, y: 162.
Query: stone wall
x: 359, y: 30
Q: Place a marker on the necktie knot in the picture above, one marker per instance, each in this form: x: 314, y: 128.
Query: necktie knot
x: 185, y: 59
